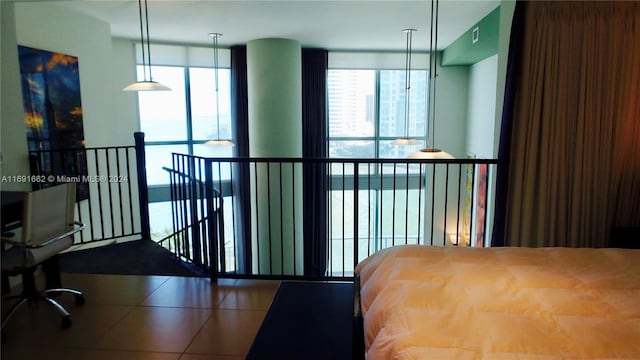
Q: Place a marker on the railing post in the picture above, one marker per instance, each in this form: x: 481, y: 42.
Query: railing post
x: 212, y: 223
x: 143, y: 192
x: 356, y: 200
x: 194, y: 196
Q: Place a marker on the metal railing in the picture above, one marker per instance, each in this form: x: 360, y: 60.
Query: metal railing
x: 108, y: 200
x: 193, y: 204
x: 251, y: 217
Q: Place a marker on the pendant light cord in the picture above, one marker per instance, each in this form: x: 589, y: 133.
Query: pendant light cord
x: 215, y: 36
x: 407, y: 81
x: 146, y: 16
x: 144, y: 62
x: 433, y: 64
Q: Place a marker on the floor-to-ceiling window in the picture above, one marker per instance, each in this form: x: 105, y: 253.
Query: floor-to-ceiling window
x: 367, y: 110
x: 180, y: 121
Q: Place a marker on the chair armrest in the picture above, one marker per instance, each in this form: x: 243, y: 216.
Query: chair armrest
x: 78, y: 226
x: 10, y: 241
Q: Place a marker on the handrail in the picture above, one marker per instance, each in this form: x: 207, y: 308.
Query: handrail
x: 79, y: 227
x: 326, y: 160
x: 359, y: 205
x: 187, y: 176
x: 84, y: 149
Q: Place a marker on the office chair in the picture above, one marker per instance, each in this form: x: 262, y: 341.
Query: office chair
x: 47, y: 228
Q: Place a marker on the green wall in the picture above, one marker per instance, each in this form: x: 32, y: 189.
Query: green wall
x: 464, y: 51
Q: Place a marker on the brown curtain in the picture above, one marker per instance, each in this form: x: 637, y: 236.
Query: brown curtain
x: 574, y: 162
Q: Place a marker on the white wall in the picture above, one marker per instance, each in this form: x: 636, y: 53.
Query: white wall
x: 450, y: 136
x: 481, y: 114
x: 451, y: 108
x: 125, y: 112
x: 13, y: 140
x: 56, y: 28
x: 13, y: 144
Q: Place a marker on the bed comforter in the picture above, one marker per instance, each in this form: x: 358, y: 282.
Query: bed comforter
x: 422, y: 302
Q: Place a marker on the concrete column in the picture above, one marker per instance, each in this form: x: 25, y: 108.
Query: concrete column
x: 274, y: 80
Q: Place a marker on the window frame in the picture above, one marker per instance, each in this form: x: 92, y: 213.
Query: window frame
x: 376, y: 138
x: 161, y: 192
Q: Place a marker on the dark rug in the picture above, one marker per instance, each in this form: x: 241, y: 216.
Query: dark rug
x: 307, y: 320
x: 138, y: 257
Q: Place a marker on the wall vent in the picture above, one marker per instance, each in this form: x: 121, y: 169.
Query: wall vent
x: 475, y: 35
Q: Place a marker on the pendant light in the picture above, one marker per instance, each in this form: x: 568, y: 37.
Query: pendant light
x: 147, y: 84
x: 430, y: 152
x: 217, y: 141
x: 406, y: 140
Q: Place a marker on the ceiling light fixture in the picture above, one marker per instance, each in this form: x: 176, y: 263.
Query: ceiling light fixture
x: 406, y: 140
x: 217, y: 141
x: 430, y: 152
x: 147, y: 84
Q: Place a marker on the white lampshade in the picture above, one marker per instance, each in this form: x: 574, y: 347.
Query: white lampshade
x: 219, y: 142
x: 431, y: 153
x: 405, y: 141
x: 146, y: 85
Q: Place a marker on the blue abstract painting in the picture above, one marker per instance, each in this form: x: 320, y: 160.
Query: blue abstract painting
x: 52, y: 112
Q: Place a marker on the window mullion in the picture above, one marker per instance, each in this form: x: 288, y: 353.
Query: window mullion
x: 187, y: 96
x: 376, y: 131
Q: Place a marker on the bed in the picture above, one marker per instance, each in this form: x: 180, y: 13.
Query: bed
x: 423, y: 302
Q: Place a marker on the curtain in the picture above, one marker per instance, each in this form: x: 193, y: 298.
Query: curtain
x: 513, y: 62
x: 240, y: 171
x: 573, y: 158
x: 314, y: 145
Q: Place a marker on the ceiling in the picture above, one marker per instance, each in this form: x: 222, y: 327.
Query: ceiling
x: 330, y: 24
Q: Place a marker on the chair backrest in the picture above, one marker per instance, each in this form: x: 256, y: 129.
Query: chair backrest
x: 48, y: 213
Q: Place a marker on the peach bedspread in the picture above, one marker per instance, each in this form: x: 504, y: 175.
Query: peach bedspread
x: 422, y: 302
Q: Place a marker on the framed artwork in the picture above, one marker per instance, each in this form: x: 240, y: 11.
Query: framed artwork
x: 475, y: 203
x: 468, y: 197
x: 480, y: 208
x: 53, y: 113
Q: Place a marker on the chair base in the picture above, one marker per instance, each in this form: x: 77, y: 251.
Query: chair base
x: 44, y: 295
x: 31, y: 294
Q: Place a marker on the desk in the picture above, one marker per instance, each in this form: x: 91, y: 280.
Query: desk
x: 11, y: 217
x: 11, y: 212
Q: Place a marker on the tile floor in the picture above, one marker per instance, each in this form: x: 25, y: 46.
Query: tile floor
x: 143, y: 317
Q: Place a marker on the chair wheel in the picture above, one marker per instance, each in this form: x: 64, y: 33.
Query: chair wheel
x: 66, y: 322
x: 79, y: 300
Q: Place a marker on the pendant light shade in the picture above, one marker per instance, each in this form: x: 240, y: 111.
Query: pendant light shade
x: 147, y: 84
x: 406, y: 140
x: 217, y: 141
x: 430, y: 152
